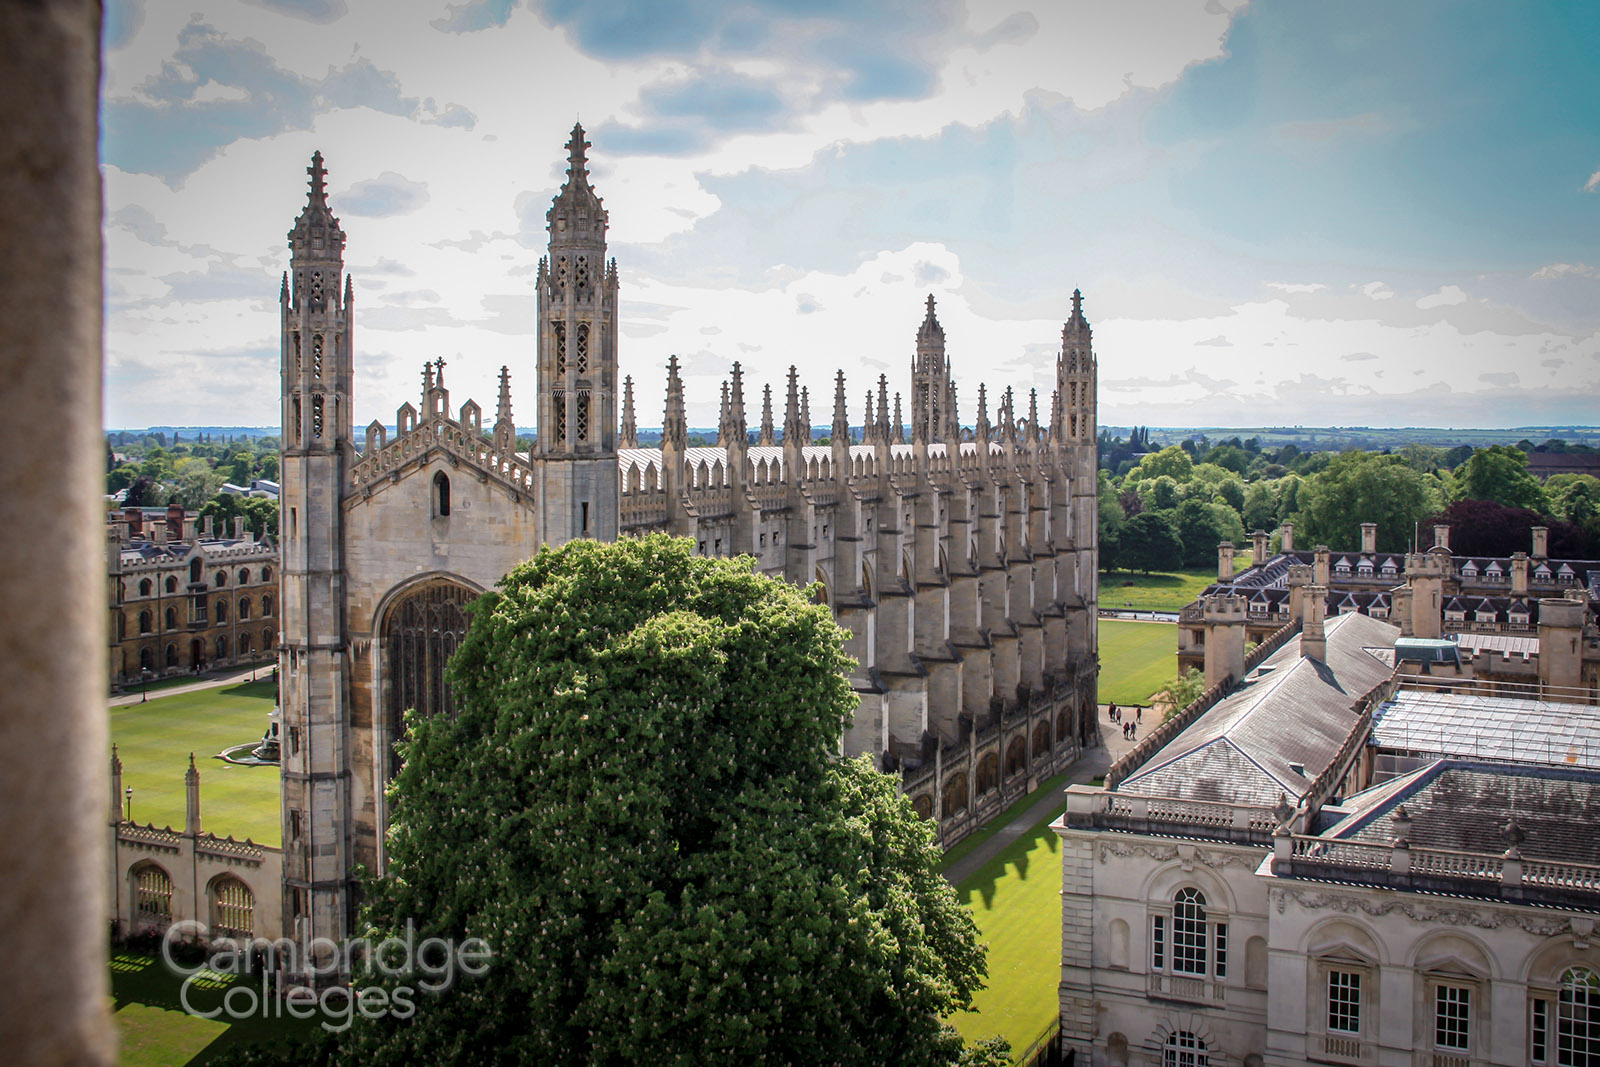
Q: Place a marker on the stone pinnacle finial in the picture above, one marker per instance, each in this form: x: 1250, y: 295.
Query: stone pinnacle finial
x: 805, y: 415
x: 981, y: 427
x: 503, y: 409
x: 674, y: 428
x: 629, y: 431
x: 768, y: 433
x: 841, y: 417
x: 792, y: 432
x: 899, y: 426
x: 577, y: 158
x: 868, y: 423
x: 319, y: 175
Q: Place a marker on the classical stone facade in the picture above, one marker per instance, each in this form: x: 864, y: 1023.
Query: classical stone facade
x: 962, y: 561
x: 184, y: 599
x: 1322, y: 862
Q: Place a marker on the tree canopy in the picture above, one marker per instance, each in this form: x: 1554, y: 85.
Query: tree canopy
x: 1362, y: 487
x: 636, y: 807
x: 1151, y: 543
x: 1500, y: 473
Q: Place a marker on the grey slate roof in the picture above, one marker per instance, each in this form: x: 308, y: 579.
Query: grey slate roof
x: 1279, y: 728
x: 1464, y: 805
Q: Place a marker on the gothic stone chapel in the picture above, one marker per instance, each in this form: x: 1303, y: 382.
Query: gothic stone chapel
x: 961, y: 560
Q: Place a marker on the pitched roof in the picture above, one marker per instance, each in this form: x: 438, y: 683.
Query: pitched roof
x: 1279, y: 728
x: 1464, y: 805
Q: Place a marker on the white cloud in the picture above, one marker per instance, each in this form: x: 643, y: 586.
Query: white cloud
x: 1561, y: 270
x: 1593, y: 183
x: 1296, y: 287
x: 1378, y: 291
x: 1447, y: 296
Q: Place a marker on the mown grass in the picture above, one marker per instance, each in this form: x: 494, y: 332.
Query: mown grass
x: 154, y: 740
x: 1130, y: 590
x: 1136, y: 659
x: 155, y: 1030
x: 1015, y: 899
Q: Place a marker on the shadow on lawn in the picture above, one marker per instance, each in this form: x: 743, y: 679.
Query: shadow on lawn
x: 987, y: 878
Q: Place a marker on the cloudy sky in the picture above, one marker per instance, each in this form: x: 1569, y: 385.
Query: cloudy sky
x: 1317, y: 213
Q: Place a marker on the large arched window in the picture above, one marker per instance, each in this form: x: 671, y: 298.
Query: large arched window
x: 172, y: 584
x: 152, y: 894
x: 1572, y: 1038
x: 144, y: 587
x: 1189, y: 931
x: 266, y: 605
x: 1188, y: 940
x: 233, y: 908
x: 421, y: 632
x: 222, y: 610
x: 1184, y: 1049
x: 144, y: 621
x: 172, y: 619
x: 244, y: 608
x: 194, y: 571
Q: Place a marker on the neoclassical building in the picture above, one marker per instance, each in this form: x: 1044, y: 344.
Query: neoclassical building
x: 960, y: 558
x: 1331, y: 859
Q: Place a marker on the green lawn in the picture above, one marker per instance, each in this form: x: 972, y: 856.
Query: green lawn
x: 1136, y: 659
x: 1015, y: 899
x: 154, y: 741
x: 1154, y: 591
x: 154, y: 1030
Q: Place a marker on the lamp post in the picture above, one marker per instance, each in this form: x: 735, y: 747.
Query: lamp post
x: 128, y: 792
x: 144, y: 690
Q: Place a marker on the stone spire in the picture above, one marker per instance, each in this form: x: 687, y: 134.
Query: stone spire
x: 1076, y: 379
x: 1008, y: 418
x: 629, y: 433
x: 952, y: 428
x: 793, y: 431
x: 869, y: 423
x: 738, y: 427
x: 883, y: 409
x: 505, y: 428
x: 316, y: 212
x: 841, y: 417
x: 191, y: 788
x: 805, y: 415
x: 899, y: 425
x: 1033, y: 416
x: 674, y: 423
x: 930, y: 381
x: 768, y: 434
x: 116, y: 786
x: 981, y: 428
x: 724, y: 432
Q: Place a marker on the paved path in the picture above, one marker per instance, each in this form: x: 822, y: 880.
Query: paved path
x: 1044, y: 806
x: 209, y: 680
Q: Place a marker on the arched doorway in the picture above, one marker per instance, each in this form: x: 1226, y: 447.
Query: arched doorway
x: 421, y: 631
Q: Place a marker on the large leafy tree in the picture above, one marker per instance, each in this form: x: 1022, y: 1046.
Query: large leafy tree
x: 1202, y: 527
x: 1500, y: 473
x: 637, y: 807
x: 1359, y: 487
x: 1151, y: 543
x: 1171, y: 461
